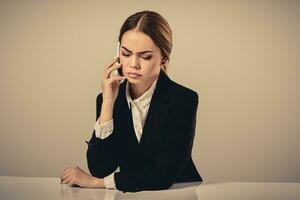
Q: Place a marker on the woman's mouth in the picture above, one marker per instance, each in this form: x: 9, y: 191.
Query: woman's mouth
x: 134, y: 75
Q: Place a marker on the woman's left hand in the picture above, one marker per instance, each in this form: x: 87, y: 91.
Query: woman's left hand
x: 75, y: 176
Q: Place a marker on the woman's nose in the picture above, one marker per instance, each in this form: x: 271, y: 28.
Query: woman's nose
x: 134, y: 62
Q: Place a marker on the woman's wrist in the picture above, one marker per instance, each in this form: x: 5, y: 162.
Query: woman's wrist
x: 106, y: 112
x: 97, y: 182
x: 108, y: 103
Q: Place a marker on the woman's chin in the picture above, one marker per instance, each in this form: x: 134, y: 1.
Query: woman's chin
x: 133, y: 81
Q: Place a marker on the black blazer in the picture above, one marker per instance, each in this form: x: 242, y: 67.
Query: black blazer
x: 163, y: 155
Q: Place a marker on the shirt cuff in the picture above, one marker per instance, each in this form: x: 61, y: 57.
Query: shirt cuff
x: 104, y: 129
x: 109, y: 181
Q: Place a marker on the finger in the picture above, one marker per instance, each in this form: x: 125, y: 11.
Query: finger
x: 62, y: 173
x: 71, y: 182
x: 66, y: 175
x: 67, y: 168
x: 114, y: 60
x: 116, y: 78
x: 109, y: 70
x: 65, y: 171
x: 68, y: 180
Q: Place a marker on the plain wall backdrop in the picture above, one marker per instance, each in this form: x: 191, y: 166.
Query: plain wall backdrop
x: 242, y: 57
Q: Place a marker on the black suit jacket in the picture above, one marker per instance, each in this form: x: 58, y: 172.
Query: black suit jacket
x: 163, y: 155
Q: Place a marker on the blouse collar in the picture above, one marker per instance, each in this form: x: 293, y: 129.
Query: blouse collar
x: 143, y: 100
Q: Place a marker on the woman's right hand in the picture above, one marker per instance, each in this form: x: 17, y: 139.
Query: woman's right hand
x: 110, y: 85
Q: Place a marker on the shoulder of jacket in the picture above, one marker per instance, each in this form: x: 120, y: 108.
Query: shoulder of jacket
x: 184, y: 92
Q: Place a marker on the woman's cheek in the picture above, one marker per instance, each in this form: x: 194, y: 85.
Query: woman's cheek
x: 124, y: 62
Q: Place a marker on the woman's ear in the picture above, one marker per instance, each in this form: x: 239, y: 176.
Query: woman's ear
x: 164, y: 61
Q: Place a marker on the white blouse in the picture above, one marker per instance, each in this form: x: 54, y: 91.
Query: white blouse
x: 139, y: 109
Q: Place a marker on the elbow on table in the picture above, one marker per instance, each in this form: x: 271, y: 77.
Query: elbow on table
x: 162, y: 184
x: 165, y: 185
x: 96, y: 170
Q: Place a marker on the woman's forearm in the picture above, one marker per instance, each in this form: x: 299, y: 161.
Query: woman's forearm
x: 106, y: 112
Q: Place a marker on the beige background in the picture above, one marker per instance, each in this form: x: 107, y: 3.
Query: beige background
x: 242, y: 57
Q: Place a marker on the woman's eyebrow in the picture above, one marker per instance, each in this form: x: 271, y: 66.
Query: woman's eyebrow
x: 142, y: 52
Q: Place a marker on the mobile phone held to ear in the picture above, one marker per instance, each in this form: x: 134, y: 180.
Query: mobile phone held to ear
x: 119, y: 70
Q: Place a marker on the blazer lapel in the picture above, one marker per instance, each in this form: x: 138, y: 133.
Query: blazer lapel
x: 125, y: 116
x: 158, y: 112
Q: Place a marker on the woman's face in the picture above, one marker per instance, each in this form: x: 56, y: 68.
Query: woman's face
x: 139, y: 55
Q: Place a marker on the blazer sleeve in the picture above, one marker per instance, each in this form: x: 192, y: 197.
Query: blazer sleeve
x: 172, y: 158
x: 101, y: 153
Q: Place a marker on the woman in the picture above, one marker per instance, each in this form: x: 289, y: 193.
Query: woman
x: 145, y: 125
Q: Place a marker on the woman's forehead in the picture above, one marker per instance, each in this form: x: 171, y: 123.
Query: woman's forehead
x: 137, y: 41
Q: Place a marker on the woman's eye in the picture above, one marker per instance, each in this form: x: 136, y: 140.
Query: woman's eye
x: 125, y: 54
x: 144, y: 57
x: 147, y: 57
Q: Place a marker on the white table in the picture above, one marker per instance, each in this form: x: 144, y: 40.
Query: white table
x: 15, y: 188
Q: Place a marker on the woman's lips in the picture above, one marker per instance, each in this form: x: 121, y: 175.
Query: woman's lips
x: 133, y: 75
